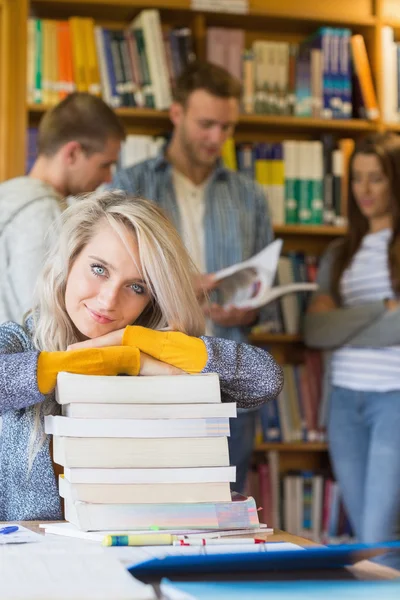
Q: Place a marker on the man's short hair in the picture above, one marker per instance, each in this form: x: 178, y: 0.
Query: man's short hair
x: 209, y: 77
x: 80, y: 117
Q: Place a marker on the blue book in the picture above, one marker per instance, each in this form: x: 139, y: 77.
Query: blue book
x: 285, y: 590
x: 262, y: 561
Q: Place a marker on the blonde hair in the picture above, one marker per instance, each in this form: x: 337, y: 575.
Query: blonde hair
x: 165, y: 265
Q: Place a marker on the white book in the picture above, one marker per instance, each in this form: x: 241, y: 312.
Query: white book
x: 144, y: 493
x: 153, y: 389
x: 149, y: 411
x: 136, y: 428
x: 155, y: 54
x: 249, y: 284
x: 241, y: 514
x: 132, y: 453
x: 168, y: 475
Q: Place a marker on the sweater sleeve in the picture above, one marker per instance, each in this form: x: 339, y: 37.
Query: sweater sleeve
x: 18, y: 368
x: 34, y: 230
x: 384, y: 331
x: 335, y: 328
x: 248, y: 375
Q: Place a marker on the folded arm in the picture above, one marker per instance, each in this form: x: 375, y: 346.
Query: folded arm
x: 327, y: 326
x: 248, y: 375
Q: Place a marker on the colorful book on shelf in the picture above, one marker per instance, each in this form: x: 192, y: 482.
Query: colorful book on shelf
x: 249, y: 284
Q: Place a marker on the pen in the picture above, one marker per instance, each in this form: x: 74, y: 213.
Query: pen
x: 152, y: 539
x: 217, y: 542
x: 9, y: 529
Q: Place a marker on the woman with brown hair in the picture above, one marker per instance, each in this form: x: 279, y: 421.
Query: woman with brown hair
x: 355, y: 317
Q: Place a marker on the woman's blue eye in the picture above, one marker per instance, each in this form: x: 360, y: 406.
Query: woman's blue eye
x: 98, y: 270
x: 138, y: 289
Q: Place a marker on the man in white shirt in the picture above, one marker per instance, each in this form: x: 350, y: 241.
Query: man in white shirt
x: 78, y: 142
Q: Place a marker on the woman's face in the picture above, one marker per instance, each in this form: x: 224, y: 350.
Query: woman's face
x: 370, y: 186
x: 105, y: 289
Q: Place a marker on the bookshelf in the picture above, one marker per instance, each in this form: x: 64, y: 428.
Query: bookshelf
x: 275, y: 20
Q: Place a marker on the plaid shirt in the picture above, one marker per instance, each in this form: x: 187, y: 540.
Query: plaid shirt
x: 236, y: 220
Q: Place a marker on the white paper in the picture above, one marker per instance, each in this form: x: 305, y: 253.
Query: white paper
x: 22, y: 536
x: 70, y: 530
x: 250, y: 284
x: 66, y: 570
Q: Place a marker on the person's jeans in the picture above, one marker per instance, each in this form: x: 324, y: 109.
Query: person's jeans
x: 364, y: 445
x: 241, y: 445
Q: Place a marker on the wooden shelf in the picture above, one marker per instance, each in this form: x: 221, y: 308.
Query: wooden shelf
x: 292, y: 447
x: 248, y: 121
x: 392, y: 126
x: 317, y: 230
x: 299, y: 123
x: 274, y: 338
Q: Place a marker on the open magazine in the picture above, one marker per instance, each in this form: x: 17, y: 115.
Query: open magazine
x: 250, y: 284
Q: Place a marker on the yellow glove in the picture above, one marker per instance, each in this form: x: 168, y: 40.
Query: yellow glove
x: 113, y: 360
x: 172, y: 347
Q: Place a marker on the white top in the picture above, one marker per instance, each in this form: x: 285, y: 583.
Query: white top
x: 367, y: 280
x: 191, y: 205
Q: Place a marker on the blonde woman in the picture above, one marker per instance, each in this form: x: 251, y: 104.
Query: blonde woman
x: 117, y: 278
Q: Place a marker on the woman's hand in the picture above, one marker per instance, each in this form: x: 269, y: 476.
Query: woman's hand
x: 114, y: 338
x: 152, y: 366
x: 322, y: 303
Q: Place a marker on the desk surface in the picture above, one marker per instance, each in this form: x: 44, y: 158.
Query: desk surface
x: 364, y: 569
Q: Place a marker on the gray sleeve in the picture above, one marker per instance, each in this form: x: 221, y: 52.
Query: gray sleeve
x: 18, y: 372
x: 333, y: 329
x: 384, y: 331
x: 248, y: 375
x: 30, y: 236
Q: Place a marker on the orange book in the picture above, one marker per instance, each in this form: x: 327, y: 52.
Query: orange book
x: 364, y: 75
x: 65, y: 64
x: 79, y: 54
x: 93, y: 73
x: 346, y: 145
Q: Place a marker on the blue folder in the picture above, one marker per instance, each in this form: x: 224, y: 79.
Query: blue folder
x: 287, y: 590
x: 311, y: 558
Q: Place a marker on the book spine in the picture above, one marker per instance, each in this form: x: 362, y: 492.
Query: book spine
x: 291, y: 167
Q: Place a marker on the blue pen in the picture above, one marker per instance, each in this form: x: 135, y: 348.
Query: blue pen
x: 9, y: 529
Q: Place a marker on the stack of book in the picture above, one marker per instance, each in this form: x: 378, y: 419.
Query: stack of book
x: 142, y: 452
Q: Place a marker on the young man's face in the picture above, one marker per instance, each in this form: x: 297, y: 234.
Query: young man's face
x: 203, y: 125
x: 89, y: 171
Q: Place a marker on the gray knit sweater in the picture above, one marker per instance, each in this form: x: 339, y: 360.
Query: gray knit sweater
x: 248, y: 376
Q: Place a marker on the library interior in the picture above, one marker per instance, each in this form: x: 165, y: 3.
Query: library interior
x: 265, y: 136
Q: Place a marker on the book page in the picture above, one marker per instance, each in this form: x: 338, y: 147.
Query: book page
x: 66, y: 570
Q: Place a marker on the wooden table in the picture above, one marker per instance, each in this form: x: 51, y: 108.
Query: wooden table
x: 365, y: 569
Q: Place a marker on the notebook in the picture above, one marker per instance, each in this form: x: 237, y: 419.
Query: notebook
x: 259, y: 559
